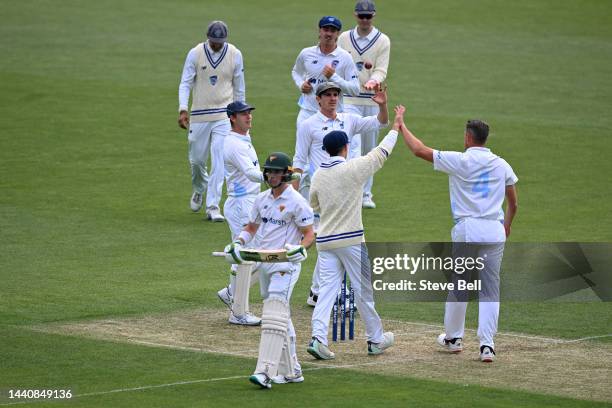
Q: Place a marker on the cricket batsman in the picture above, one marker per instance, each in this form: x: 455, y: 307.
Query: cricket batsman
x: 479, y: 180
x: 243, y: 179
x: 335, y: 193
x: 282, y: 219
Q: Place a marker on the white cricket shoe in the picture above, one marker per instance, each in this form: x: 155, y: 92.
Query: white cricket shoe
x: 367, y: 202
x: 312, y: 299
x: 487, y: 354
x: 261, y: 379
x: 319, y: 350
x: 214, y: 214
x: 453, y: 345
x: 196, y: 202
x: 281, y: 379
x: 246, y: 319
x: 379, y: 348
x: 225, y: 296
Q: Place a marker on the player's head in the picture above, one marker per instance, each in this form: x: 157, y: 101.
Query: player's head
x: 216, y: 34
x: 328, y: 96
x: 240, y: 116
x: 476, y: 133
x: 329, y: 29
x: 278, y: 169
x: 365, y: 10
x: 335, y: 143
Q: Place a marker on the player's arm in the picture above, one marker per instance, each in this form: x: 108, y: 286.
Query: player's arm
x: 417, y: 147
x: 238, y: 79
x: 365, y: 166
x: 308, y: 236
x: 298, y: 74
x: 187, y: 79
x: 348, y: 80
x: 381, y: 65
x: 302, y: 148
x: 380, y: 98
x: 511, y: 208
x: 241, y: 160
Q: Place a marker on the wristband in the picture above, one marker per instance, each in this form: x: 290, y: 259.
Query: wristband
x: 245, y: 236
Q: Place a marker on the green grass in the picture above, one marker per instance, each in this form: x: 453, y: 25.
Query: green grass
x: 94, y: 180
x: 87, y: 366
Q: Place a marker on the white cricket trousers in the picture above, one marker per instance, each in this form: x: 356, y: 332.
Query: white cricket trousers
x: 488, y: 297
x: 332, y: 264
x: 205, y: 138
x: 362, y: 144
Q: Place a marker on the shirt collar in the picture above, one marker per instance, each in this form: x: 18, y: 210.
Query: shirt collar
x: 369, y: 37
x: 333, y: 53
x: 246, y: 137
x: 478, y: 148
x: 324, y: 118
x: 283, y: 194
x: 337, y: 158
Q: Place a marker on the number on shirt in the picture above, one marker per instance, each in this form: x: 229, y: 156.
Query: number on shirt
x: 482, y: 185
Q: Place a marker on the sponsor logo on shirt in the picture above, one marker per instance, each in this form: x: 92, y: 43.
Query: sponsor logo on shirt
x: 274, y: 221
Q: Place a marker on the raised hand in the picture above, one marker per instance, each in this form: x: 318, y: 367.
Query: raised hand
x: 380, y: 97
x: 399, y: 117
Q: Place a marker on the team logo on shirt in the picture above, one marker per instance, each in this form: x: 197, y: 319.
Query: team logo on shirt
x: 315, y: 61
x: 359, y: 65
x: 341, y: 125
x: 213, y: 79
x: 281, y: 208
x: 203, y: 67
x: 335, y: 63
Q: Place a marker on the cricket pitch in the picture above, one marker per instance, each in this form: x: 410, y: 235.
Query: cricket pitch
x: 529, y: 363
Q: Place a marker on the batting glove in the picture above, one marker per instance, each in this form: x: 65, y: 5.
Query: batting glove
x: 296, y: 253
x: 232, y: 252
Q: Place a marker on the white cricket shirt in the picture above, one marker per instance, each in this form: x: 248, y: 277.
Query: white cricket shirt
x: 309, y: 65
x: 310, y: 134
x: 477, y: 182
x: 242, y: 173
x: 280, y: 218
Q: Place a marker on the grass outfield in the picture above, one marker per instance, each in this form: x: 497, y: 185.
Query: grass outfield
x: 94, y: 180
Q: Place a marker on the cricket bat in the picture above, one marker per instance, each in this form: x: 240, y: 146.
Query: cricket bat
x: 260, y: 255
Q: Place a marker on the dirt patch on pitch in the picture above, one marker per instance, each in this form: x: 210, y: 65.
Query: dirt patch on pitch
x: 578, y: 370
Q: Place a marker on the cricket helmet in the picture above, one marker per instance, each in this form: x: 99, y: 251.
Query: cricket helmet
x: 279, y: 161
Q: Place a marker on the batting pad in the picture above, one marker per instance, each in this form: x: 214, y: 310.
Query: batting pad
x: 286, y: 365
x: 240, y: 289
x: 274, y: 322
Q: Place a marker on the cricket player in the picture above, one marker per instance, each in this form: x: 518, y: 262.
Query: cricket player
x: 282, y: 218
x: 243, y: 179
x: 321, y: 63
x: 335, y: 193
x: 309, y: 153
x: 478, y: 180
x: 370, y: 50
x: 213, y: 74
